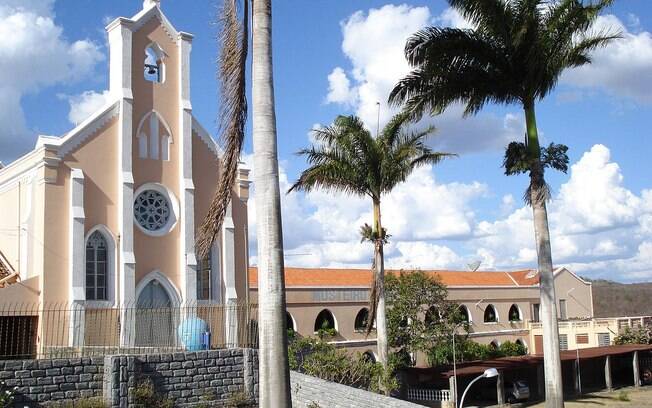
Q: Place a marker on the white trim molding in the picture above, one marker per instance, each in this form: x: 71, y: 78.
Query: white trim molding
x: 156, y: 275
x: 77, y: 278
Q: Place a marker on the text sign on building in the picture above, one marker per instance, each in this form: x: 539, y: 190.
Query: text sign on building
x: 343, y: 295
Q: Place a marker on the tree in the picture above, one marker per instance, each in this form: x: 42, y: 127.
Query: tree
x: 347, y: 158
x: 419, y: 316
x: 274, y: 374
x: 514, y: 55
x: 273, y: 357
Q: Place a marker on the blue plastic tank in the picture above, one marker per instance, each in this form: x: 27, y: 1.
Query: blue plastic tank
x: 191, y: 332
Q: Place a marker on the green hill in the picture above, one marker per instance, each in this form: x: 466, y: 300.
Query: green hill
x: 613, y: 299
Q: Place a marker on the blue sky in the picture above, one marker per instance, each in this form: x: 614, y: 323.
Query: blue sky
x: 335, y: 57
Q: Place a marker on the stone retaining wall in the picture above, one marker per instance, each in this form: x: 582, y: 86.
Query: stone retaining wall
x: 41, y: 381
x: 186, y: 378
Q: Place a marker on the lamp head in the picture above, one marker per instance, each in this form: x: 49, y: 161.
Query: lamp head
x: 490, y: 372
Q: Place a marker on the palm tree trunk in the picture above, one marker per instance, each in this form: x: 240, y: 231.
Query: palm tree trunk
x: 273, y: 358
x: 538, y: 195
x: 379, y: 263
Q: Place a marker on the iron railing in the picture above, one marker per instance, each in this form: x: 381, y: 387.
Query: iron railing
x: 30, y: 331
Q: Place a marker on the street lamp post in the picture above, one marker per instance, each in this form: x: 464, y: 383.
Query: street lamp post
x: 488, y: 373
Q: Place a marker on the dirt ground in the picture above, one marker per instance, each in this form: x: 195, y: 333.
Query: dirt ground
x: 625, y: 397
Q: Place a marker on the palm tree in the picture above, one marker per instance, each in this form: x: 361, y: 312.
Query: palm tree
x: 347, y: 158
x: 514, y: 55
x: 273, y: 355
x: 274, y: 374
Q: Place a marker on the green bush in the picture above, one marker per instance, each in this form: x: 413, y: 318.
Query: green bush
x: 6, y: 395
x: 468, y: 350
x: 81, y: 403
x: 319, y: 359
x: 238, y: 400
x: 146, y: 396
x: 638, y: 335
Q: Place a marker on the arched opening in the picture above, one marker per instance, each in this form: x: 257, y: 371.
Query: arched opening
x: 521, y: 343
x: 289, y: 321
x: 515, y: 314
x: 325, y: 321
x: 464, y: 314
x: 432, y: 316
x: 369, y: 356
x: 494, y: 345
x: 156, y: 320
x: 154, y: 69
x: 361, y: 319
x: 490, y: 314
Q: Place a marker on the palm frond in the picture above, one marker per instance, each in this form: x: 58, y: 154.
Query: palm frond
x: 233, y: 115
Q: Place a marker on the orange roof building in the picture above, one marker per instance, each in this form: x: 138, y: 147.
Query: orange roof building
x: 500, y: 305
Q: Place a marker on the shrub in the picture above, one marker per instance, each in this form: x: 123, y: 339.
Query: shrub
x: 146, y: 396
x: 319, y: 359
x: 638, y: 335
x: 81, y: 403
x: 6, y: 395
x: 239, y: 399
x: 468, y: 350
x: 623, y: 396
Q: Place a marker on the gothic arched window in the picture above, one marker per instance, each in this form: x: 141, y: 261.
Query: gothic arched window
x: 96, y: 267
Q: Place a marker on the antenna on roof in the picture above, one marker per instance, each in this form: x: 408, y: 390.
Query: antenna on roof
x: 473, y: 266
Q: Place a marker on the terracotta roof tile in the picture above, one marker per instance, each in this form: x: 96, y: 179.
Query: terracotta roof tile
x: 331, y: 277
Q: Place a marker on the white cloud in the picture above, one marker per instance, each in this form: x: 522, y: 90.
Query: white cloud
x: 598, y: 227
x: 34, y: 54
x: 424, y: 255
x: 321, y: 229
x: 85, y: 104
x: 339, y: 88
x: 594, y: 197
x: 376, y: 66
x: 623, y: 68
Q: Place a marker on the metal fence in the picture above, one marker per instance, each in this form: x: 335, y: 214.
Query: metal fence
x: 30, y: 331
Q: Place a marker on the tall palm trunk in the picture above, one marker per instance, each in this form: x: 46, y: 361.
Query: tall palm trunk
x: 538, y: 195
x: 379, y: 263
x: 273, y: 358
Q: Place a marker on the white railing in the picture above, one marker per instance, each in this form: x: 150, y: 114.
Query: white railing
x: 425, y: 394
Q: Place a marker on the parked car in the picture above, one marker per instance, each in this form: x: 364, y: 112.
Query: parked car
x: 516, y: 391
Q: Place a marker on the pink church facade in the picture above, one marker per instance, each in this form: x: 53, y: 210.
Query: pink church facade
x: 106, y: 215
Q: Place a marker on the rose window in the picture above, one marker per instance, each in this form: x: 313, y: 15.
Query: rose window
x: 152, y: 210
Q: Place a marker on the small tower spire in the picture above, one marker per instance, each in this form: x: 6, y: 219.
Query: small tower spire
x: 151, y: 3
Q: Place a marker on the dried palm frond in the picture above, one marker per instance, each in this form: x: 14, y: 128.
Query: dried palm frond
x: 232, y: 118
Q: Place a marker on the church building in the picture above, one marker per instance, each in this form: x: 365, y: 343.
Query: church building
x: 105, y: 216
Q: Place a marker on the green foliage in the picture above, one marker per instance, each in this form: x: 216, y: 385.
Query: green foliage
x: 419, y: 316
x: 6, y: 395
x: 80, y: 403
x: 347, y: 158
x: 517, y: 159
x: 637, y: 335
x: 515, y: 53
x: 146, y: 396
x: 239, y: 399
x: 468, y: 350
x: 319, y: 359
x: 326, y: 332
x: 623, y: 396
